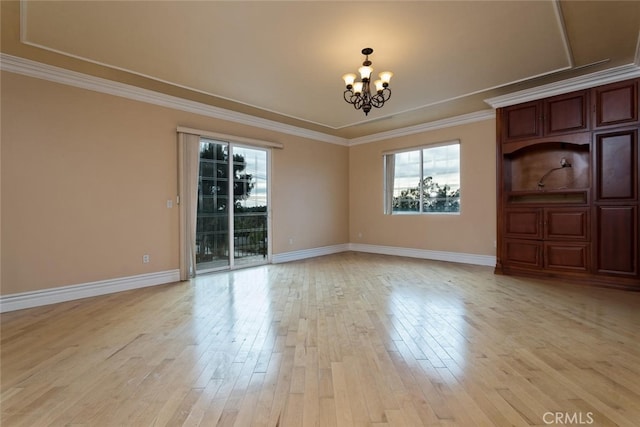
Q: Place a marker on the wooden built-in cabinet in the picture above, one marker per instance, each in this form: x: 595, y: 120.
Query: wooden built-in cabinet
x: 568, y: 202
x: 615, y: 104
x: 552, y: 116
x: 551, y: 238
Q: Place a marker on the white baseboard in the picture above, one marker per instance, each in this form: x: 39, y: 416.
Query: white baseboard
x: 68, y: 293
x: 308, y: 253
x: 458, y: 257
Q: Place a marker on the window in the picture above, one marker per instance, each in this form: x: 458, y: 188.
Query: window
x: 423, y: 180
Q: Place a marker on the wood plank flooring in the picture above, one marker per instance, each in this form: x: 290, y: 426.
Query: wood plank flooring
x: 344, y: 340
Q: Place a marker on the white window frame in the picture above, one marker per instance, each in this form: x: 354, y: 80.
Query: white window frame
x: 389, y: 178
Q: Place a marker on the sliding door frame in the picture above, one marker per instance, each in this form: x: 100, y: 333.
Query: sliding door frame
x: 239, y: 142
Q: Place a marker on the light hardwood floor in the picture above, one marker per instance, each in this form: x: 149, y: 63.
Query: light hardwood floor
x: 343, y: 340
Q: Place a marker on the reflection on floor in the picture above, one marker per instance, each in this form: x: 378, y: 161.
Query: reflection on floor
x: 343, y: 340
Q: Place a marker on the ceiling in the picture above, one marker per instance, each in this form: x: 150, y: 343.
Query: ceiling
x: 283, y: 61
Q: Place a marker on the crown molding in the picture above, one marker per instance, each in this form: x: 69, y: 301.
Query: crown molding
x: 54, y: 74
x: 424, y: 127
x: 587, y: 81
x: 39, y: 70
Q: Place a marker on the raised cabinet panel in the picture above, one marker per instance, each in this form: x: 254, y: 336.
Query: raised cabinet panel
x: 566, y: 256
x: 523, y: 253
x: 616, y: 165
x: 521, y: 121
x: 566, y: 224
x: 566, y: 113
x: 523, y: 223
x: 616, y: 104
x: 617, y: 240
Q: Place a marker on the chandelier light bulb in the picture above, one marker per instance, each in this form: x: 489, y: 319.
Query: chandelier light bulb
x: 349, y: 79
x: 357, y: 88
x: 385, y: 76
x: 379, y: 86
x: 365, y: 72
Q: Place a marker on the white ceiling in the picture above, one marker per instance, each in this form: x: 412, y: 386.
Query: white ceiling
x: 284, y: 60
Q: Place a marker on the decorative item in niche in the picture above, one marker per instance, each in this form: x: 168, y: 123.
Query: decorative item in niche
x: 563, y: 164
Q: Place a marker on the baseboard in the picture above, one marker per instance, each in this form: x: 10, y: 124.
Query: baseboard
x: 308, y: 253
x: 458, y: 257
x: 68, y: 293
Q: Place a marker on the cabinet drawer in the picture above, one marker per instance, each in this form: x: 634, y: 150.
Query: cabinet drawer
x: 566, y: 224
x: 524, y: 253
x: 523, y: 223
x: 567, y: 256
x: 547, y: 223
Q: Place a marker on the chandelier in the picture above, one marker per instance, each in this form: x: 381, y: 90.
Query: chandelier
x: 359, y: 93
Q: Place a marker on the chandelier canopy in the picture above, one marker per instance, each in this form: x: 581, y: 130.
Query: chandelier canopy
x: 359, y: 93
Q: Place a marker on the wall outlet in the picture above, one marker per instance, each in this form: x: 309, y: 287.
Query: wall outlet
x: 291, y: 240
x: 145, y: 259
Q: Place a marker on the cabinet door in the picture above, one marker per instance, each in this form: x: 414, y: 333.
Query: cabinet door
x: 521, y: 121
x: 566, y: 113
x: 616, y: 170
x: 523, y: 223
x: 616, y: 104
x: 566, y: 224
x: 617, y: 240
x: 566, y: 256
x: 523, y: 253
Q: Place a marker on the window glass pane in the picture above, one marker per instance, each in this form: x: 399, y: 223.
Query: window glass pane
x: 441, y: 182
x: 406, y: 179
x: 212, y: 225
x: 425, y: 180
x: 250, y: 217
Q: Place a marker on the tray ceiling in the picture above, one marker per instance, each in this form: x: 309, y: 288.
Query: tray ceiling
x: 284, y: 60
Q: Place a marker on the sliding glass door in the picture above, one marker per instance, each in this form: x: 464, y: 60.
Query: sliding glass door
x: 250, y: 225
x: 232, y: 222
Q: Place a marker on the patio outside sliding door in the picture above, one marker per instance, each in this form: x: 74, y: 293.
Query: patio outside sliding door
x: 232, y: 226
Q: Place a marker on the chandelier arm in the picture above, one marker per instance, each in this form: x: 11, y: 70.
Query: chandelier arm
x: 386, y: 94
x: 353, y: 99
x: 350, y: 96
x: 377, y: 101
x: 380, y: 98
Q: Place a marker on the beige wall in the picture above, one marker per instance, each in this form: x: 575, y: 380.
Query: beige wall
x: 86, y: 176
x: 471, y: 232
x: 310, y: 195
